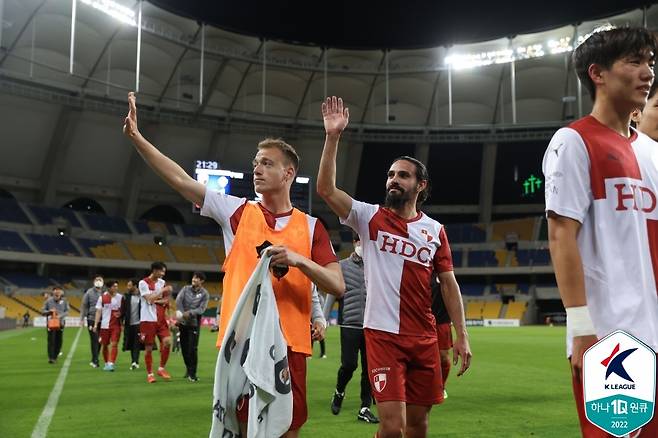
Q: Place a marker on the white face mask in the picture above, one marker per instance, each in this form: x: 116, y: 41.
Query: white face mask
x: 359, y: 251
x: 98, y: 284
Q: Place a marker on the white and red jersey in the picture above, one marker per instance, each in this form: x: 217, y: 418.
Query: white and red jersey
x: 609, y: 183
x: 227, y: 210
x: 399, y: 258
x: 109, y: 306
x: 149, y: 312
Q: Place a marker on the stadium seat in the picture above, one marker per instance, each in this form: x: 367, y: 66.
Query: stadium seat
x: 516, y: 309
x: 12, y: 241
x: 474, y: 309
x: 46, y: 215
x: 533, y: 257
x: 27, y: 281
x: 457, y: 258
x: 14, y: 309
x: 11, y: 211
x: 147, y: 251
x: 482, y: 259
x: 491, y: 309
x: 523, y: 228
x: 103, y: 249
x: 192, y: 254
x: 471, y: 289
x: 202, y: 231
x: 110, y: 224
x: 59, y: 245
x: 466, y: 233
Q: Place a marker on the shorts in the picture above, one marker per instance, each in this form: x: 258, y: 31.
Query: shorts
x: 297, y: 368
x: 444, y: 335
x: 401, y: 368
x: 148, y: 330
x: 108, y: 335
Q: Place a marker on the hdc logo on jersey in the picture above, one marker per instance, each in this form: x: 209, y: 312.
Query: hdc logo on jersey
x: 405, y: 248
x: 635, y: 197
x: 379, y: 381
x: 619, y: 383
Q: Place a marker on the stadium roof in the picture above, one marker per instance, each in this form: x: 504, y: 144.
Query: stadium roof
x: 392, y: 24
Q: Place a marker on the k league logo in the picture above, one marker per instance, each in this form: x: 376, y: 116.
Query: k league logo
x: 619, y: 383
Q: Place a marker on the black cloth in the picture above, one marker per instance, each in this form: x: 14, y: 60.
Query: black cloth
x: 55, y: 338
x: 94, y: 342
x: 189, y: 342
x: 131, y: 342
x: 438, y: 306
x: 353, y: 342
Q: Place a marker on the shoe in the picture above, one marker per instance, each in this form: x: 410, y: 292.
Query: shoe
x: 366, y: 415
x: 324, y: 356
x: 93, y: 365
x: 60, y: 353
x: 151, y: 378
x: 108, y: 367
x: 134, y: 366
x: 186, y: 376
x: 51, y: 360
x: 193, y: 379
x: 445, y: 394
x: 164, y: 374
x: 337, y: 402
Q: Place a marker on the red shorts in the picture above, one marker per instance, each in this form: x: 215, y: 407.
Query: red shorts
x: 111, y: 334
x: 148, y: 330
x: 444, y: 334
x: 401, y: 368
x: 649, y: 430
x: 297, y: 368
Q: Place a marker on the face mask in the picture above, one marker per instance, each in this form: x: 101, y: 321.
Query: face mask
x: 359, y: 251
x: 98, y: 283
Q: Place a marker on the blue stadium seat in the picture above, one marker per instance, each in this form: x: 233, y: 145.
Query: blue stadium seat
x: 87, y: 244
x: 533, y: 257
x: 10, y: 211
x: 12, y: 241
x: 457, y: 258
x: 32, y: 281
x: 110, y: 224
x: 142, y: 227
x: 465, y: 233
x: 471, y: 289
x: 200, y: 230
x: 58, y: 245
x: 46, y: 215
x: 482, y: 259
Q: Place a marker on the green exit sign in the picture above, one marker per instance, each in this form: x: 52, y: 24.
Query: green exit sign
x: 531, y: 186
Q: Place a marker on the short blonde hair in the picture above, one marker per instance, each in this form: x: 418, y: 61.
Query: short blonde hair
x: 288, y: 151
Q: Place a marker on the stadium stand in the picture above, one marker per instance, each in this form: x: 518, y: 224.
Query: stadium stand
x: 483, y: 258
x: 201, y: 231
x: 147, y: 251
x: 472, y: 289
x: 533, y: 257
x: 103, y: 249
x: 11, y: 211
x: 12, y: 241
x: 47, y: 215
x: 491, y: 309
x: 516, y: 310
x: 59, y: 245
x: 466, y: 233
x: 474, y: 309
x: 27, y: 281
x: 108, y: 224
x: 192, y: 254
x: 522, y: 228
x: 15, y: 309
x: 457, y: 258
x: 152, y: 227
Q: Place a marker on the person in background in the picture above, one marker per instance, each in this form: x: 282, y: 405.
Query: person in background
x: 107, y: 323
x: 191, y: 302
x: 87, y: 315
x: 26, y: 319
x: 130, y: 312
x: 55, y: 309
x: 646, y: 119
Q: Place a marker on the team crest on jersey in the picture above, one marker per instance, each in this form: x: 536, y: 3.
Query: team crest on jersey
x: 379, y: 381
x: 428, y: 236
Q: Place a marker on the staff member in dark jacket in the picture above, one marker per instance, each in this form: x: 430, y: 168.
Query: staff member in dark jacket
x: 88, y: 313
x: 351, y: 308
x: 130, y: 311
x: 191, y: 302
x: 55, y: 309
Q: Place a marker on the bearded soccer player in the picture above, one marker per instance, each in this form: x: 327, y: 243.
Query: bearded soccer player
x: 601, y: 184
x: 402, y: 249
x: 108, y: 319
x: 300, y: 243
x: 153, y: 323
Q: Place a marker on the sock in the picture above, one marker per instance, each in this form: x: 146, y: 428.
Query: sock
x: 115, y: 352
x: 164, y: 356
x: 445, y: 370
x: 148, y: 359
x: 105, y: 354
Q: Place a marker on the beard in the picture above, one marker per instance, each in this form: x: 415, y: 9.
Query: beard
x: 396, y: 200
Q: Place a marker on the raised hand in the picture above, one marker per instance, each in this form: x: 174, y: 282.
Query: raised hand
x: 130, y: 122
x: 335, y: 116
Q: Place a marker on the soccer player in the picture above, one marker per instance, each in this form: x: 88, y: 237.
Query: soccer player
x: 191, y: 301
x: 153, y: 319
x: 87, y: 315
x: 300, y: 241
x: 402, y: 249
x: 443, y: 331
x: 108, y: 320
x: 351, y: 309
x: 601, y: 185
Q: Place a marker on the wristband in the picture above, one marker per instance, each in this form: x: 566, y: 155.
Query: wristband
x: 579, y: 322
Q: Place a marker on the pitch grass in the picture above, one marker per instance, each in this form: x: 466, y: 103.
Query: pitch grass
x: 518, y: 386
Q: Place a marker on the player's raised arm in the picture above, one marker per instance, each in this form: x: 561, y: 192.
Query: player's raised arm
x: 165, y: 167
x: 335, y: 118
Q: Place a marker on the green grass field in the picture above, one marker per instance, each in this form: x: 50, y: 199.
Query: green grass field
x: 518, y: 386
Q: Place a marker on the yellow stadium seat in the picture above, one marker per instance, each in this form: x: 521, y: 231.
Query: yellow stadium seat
x: 192, y: 254
x: 16, y: 310
x: 474, y: 309
x: 522, y: 227
x: 491, y: 309
x: 516, y: 309
x: 147, y: 251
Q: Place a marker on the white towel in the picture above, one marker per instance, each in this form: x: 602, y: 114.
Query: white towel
x: 253, y: 360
